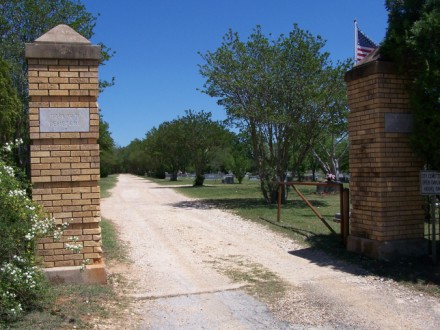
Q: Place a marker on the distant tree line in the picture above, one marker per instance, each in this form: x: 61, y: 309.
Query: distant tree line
x: 193, y: 143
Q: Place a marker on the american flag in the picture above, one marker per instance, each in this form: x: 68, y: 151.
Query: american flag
x: 364, y: 45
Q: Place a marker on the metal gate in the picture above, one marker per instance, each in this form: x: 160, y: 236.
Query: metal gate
x: 344, y: 204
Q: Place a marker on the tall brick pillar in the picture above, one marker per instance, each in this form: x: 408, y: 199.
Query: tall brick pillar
x: 64, y: 128
x: 387, y: 216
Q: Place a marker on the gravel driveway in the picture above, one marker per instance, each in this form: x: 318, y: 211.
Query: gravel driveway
x: 195, y: 267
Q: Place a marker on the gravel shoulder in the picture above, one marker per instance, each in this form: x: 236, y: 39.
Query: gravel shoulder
x: 194, y: 267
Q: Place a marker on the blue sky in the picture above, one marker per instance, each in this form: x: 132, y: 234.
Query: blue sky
x: 157, y: 44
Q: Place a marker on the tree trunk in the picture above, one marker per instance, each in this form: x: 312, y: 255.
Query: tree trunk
x: 198, y: 181
x: 173, y: 176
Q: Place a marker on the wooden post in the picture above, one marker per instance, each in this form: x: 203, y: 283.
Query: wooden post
x: 345, y: 215
x: 433, y: 239
x: 314, y: 210
x: 341, y: 210
x: 279, y: 203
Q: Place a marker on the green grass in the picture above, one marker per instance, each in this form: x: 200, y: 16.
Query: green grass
x: 113, y: 248
x: 246, y: 200
x: 70, y: 306
x: 300, y: 223
x: 106, y: 184
x: 260, y: 281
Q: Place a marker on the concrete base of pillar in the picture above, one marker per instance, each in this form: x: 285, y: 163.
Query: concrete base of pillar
x: 387, y: 250
x: 93, y: 274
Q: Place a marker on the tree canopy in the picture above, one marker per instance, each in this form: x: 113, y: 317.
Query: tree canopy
x: 23, y: 21
x: 282, y: 91
x: 413, y: 43
x: 10, y: 105
x: 192, y: 140
x: 107, y: 148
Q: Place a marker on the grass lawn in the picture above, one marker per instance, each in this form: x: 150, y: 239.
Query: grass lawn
x: 302, y: 225
x: 246, y: 200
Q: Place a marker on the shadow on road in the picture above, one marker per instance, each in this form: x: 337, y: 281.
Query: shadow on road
x: 419, y: 271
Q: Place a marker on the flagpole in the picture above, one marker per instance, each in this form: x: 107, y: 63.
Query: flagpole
x: 355, y: 41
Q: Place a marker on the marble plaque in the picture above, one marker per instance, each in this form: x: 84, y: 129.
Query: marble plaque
x: 64, y: 120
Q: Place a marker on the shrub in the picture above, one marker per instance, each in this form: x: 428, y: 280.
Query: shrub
x: 21, y: 223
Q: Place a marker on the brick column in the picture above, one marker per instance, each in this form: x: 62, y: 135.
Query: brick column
x: 64, y: 128
x: 387, y: 215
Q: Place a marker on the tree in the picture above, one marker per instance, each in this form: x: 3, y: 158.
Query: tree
x: 202, y: 138
x: 278, y: 91
x: 331, y: 154
x: 239, y: 156
x: 10, y: 105
x: 23, y: 21
x: 165, y: 143
x: 135, y: 158
x: 106, y: 148
x: 413, y: 42
x: 332, y: 148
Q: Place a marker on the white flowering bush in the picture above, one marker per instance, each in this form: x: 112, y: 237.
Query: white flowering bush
x: 21, y: 223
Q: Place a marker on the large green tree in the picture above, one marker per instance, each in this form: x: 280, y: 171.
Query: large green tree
x: 23, y: 21
x: 413, y: 43
x: 279, y: 91
x: 135, y: 158
x: 203, y: 137
x: 165, y: 144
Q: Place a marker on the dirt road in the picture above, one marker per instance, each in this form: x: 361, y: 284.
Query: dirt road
x: 200, y: 268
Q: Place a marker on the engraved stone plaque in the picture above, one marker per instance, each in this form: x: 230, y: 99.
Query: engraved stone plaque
x: 64, y: 120
x: 398, y: 123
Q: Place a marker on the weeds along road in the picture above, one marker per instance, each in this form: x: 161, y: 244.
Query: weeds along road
x: 194, y: 267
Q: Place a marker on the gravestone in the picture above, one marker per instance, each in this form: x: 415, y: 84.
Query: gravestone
x: 64, y: 129
x: 387, y: 216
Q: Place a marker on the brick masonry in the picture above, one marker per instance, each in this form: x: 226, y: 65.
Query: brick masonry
x: 387, y: 207
x: 65, y: 165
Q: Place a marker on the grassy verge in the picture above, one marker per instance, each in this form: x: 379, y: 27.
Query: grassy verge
x: 76, y: 306
x: 114, y: 249
x: 106, y: 184
x: 69, y: 307
x: 299, y: 223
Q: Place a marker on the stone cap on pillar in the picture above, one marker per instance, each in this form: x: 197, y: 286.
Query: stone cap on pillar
x: 372, y: 63
x: 63, y: 42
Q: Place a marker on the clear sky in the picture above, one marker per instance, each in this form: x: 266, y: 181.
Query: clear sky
x: 157, y: 44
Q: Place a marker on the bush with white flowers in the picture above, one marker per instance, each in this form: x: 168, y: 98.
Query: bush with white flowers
x: 21, y: 224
